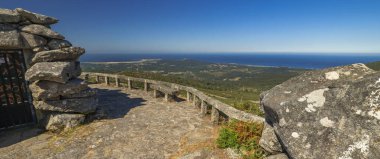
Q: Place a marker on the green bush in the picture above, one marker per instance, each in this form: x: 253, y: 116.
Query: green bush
x: 242, y: 136
x: 227, y: 138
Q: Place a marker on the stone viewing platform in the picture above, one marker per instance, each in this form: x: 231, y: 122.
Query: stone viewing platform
x: 134, y: 124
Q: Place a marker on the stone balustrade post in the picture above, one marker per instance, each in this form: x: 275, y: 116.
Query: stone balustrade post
x: 166, y: 97
x: 214, y: 115
x: 129, y: 84
x: 117, y: 81
x: 106, y: 79
x: 187, y: 96
x: 203, y: 108
x: 145, y: 86
x: 194, y: 100
x: 155, y: 93
x: 97, y: 78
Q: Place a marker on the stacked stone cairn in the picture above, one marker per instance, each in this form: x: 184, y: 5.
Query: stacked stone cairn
x: 61, y: 100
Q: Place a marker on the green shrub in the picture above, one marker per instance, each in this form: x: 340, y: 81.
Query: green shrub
x: 227, y: 138
x: 242, y: 136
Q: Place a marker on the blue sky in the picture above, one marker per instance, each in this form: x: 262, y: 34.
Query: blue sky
x: 171, y: 26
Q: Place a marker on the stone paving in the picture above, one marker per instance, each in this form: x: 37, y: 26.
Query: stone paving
x: 136, y: 126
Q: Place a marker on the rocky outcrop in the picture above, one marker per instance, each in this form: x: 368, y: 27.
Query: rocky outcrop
x: 331, y: 113
x: 60, y: 72
x: 61, y: 100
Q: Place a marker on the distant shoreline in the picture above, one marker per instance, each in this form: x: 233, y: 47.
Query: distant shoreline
x: 130, y: 62
x: 253, y: 60
x: 154, y: 60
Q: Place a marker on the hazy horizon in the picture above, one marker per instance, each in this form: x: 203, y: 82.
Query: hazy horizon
x: 252, y: 53
x: 215, y: 26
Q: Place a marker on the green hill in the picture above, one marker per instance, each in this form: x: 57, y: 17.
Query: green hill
x: 237, y: 85
x: 374, y: 65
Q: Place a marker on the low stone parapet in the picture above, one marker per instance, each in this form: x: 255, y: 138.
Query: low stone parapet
x: 217, y: 107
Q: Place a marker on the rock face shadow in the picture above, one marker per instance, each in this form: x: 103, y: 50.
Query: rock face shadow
x: 13, y: 136
x: 116, y: 104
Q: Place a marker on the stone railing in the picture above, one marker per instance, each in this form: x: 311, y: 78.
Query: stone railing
x: 193, y: 95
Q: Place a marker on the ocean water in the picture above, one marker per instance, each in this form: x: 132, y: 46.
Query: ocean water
x: 309, y: 61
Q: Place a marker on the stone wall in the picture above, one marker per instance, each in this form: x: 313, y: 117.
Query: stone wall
x: 197, y: 97
x: 61, y: 100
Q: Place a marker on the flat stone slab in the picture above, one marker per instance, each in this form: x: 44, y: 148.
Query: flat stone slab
x: 10, y: 37
x: 9, y: 16
x: 41, y: 30
x: 32, y: 41
x: 59, y: 72
x: 136, y: 126
x: 47, y: 90
x: 67, y: 54
x: 36, y: 18
x: 59, y: 122
x: 75, y: 105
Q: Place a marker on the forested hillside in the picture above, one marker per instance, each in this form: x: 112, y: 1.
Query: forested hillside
x: 374, y: 65
x: 236, y: 85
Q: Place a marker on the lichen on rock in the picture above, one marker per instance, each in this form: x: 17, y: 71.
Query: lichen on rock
x: 334, y: 113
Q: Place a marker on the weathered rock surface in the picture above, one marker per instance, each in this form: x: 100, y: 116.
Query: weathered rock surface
x: 278, y: 156
x: 47, y: 90
x: 59, y: 72
x: 75, y: 105
x: 58, y: 55
x: 36, y: 18
x: 269, y: 140
x: 32, y: 41
x: 9, y: 16
x: 40, y: 48
x: 332, y: 113
x: 58, y: 44
x: 64, y: 122
x: 10, y: 37
x: 82, y: 94
x: 41, y: 30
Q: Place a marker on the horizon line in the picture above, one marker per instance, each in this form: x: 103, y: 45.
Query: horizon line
x: 239, y: 52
